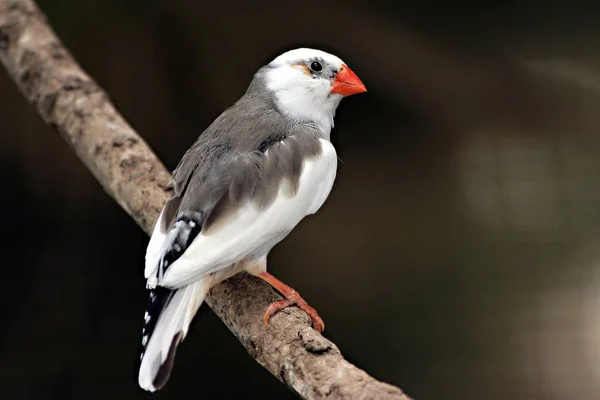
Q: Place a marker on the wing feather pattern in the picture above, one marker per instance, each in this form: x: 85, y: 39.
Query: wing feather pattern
x: 257, y: 207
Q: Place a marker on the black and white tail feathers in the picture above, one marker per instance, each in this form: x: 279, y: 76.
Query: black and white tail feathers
x: 173, y: 311
x: 158, y: 299
x: 169, y: 312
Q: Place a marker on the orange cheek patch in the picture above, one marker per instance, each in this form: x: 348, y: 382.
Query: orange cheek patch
x: 303, y: 68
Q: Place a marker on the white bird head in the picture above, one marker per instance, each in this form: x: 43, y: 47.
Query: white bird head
x: 309, y: 84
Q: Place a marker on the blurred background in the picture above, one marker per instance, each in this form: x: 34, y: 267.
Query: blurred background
x: 458, y: 255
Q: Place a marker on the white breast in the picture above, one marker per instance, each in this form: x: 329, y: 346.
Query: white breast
x: 253, y: 232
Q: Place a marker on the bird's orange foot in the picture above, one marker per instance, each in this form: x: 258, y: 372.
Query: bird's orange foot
x: 298, y: 301
x: 292, y: 298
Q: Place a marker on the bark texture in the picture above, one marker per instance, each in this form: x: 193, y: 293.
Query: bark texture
x: 80, y: 111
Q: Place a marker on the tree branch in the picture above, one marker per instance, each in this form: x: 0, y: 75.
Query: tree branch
x: 79, y: 110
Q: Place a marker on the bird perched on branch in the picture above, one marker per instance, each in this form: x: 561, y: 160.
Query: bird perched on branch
x: 248, y: 180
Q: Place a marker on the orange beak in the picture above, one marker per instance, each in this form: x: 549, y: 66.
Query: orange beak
x: 347, y: 83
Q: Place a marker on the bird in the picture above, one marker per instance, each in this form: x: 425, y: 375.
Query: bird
x: 259, y: 168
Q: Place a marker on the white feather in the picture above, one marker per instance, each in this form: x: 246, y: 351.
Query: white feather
x: 252, y: 233
x: 298, y: 95
x: 175, y: 318
x: 305, y: 53
x: 153, y: 251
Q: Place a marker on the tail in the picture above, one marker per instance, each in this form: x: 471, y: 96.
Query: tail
x: 166, y: 322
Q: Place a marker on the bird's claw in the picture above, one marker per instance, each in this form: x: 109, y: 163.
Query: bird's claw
x: 317, y: 322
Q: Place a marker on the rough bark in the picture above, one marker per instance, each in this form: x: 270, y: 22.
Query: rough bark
x: 80, y: 111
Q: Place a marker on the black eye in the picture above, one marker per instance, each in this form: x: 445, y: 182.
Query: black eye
x: 316, y: 66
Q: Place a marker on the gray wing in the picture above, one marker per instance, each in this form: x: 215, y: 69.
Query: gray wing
x: 215, y: 178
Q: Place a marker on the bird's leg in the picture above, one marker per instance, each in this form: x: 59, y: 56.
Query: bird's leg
x: 291, y: 298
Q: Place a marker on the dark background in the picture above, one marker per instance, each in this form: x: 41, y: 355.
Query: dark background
x: 457, y: 255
